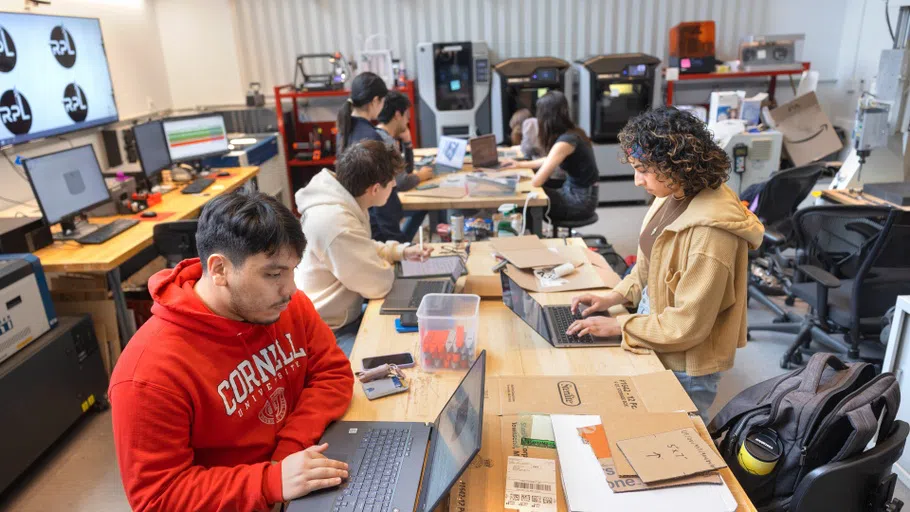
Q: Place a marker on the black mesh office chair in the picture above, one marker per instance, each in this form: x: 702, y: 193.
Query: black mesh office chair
x: 855, y: 262
x: 771, y: 273
x: 176, y: 241
x: 863, y: 483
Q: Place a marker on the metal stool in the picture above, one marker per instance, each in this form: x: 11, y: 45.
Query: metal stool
x: 571, y: 225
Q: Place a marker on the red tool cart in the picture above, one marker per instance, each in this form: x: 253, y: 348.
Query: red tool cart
x: 310, y: 146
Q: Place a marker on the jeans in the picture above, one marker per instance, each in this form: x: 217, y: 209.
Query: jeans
x: 346, y: 334
x: 571, y: 203
x: 412, y: 223
x: 702, y: 390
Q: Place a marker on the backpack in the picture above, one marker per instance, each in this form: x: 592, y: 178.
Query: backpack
x: 774, y: 433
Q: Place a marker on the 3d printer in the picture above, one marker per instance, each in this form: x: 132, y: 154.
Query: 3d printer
x: 331, y: 72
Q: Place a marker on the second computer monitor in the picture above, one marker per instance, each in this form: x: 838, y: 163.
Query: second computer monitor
x: 194, y: 138
x: 67, y: 183
x: 152, y: 147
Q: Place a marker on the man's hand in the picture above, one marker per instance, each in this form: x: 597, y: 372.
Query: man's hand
x: 413, y: 253
x: 309, y: 470
x: 598, y: 326
x: 595, y: 303
x: 405, y: 136
x: 425, y: 173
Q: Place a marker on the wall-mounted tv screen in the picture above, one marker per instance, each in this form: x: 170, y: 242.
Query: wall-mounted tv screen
x: 54, y: 77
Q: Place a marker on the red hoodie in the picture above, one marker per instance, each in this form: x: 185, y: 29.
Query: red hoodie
x: 203, y: 404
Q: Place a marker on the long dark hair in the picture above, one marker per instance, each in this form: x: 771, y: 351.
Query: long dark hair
x: 554, y: 120
x: 364, y: 88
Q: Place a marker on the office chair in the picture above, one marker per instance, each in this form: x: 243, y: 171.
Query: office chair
x: 778, y: 201
x: 176, y: 241
x: 855, y: 261
x: 863, y: 483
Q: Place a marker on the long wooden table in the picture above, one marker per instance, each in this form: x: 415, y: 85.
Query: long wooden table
x: 107, y: 258
x: 513, y: 348
x: 412, y: 201
x: 858, y: 198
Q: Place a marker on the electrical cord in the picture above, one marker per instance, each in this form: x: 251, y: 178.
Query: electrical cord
x: 888, y: 20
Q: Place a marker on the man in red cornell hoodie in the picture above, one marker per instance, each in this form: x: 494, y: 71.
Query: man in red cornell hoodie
x: 218, y: 399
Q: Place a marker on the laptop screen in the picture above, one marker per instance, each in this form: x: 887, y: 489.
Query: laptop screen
x: 522, y: 304
x: 483, y: 150
x: 456, y: 437
x: 451, y: 152
x: 458, y: 269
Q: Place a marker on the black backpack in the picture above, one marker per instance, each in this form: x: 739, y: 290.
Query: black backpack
x: 775, y: 432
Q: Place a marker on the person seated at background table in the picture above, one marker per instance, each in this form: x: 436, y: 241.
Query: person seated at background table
x: 393, y: 129
x: 342, y: 265
x: 691, y: 277
x: 524, y: 132
x: 567, y: 147
x: 368, y: 93
x: 219, y: 398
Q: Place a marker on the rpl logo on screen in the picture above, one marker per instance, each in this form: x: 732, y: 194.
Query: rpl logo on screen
x: 63, y: 47
x: 7, y: 51
x: 75, y: 103
x: 15, y: 112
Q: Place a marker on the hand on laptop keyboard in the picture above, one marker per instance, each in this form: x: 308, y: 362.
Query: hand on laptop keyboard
x: 598, y: 326
x: 309, y: 470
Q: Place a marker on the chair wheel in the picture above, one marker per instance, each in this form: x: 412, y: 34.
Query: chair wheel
x: 790, y: 300
x: 785, y: 362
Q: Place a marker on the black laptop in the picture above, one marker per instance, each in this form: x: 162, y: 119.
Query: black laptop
x: 406, y: 293
x: 386, y: 458
x: 550, y: 322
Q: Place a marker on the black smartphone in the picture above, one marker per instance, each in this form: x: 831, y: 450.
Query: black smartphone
x: 427, y: 186
x: 402, y: 360
x: 408, y: 319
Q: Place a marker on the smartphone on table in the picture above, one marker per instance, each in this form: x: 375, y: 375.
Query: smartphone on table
x: 402, y: 360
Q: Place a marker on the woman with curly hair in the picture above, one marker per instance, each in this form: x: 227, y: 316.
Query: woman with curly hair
x: 690, y: 282
x: 568, y: 148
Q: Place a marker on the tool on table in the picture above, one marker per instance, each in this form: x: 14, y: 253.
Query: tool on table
x: 382, y: 381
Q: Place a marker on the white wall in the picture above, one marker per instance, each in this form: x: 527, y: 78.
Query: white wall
x: 200, y: 52
x: 137, y: 71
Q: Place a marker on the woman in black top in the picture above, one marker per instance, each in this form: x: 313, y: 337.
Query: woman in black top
x: 568, y: 148
x: 368, y: 93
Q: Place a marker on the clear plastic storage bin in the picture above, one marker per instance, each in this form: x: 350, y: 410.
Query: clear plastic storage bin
x: 447, y: 324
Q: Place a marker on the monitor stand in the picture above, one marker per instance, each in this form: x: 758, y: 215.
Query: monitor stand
x: 72, y: 229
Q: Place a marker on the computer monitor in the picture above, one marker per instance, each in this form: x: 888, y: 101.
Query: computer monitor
x: 152, y: 148
x: 194, y: 138
x: 67, y: 183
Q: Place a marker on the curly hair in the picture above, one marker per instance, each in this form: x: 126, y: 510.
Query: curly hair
x: 678, y: 147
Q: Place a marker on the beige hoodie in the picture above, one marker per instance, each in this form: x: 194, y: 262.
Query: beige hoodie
x: 341, y: 265
x: 697, y: 280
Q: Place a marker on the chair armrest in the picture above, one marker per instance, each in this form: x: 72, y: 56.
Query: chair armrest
x: 820, y: 276
x: 773, y: 237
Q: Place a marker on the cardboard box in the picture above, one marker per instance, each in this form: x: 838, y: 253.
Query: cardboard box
x: 509, y: 398
x: 808, y: 133
x: 527, y: 252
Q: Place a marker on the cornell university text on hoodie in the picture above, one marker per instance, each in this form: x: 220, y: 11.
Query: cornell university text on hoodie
x: 202, y: 404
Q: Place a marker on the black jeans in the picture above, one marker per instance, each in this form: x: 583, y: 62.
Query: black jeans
x: 571, y: 203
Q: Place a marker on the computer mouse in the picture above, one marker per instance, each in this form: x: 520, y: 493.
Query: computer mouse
x: 148, y: 214
x: 223, y: 174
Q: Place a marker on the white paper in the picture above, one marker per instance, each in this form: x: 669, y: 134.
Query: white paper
x: 672, y: 74
x: 531, y: 484
x: 587, y: 489
x: 547, y: 279
x: 435, y: 266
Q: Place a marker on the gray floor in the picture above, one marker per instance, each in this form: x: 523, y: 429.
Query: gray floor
x: 81, y: 474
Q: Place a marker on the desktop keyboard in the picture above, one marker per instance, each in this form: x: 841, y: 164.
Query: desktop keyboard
x: 107, y: 231
x: 563, y: 317
x: 197, y: 186
x: 373, y: 484
x: 423, y: 288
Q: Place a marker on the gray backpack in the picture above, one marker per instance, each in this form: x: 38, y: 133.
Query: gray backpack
x: 775, y: 432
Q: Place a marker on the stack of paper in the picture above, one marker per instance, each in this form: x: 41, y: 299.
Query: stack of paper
x: 585, y: 457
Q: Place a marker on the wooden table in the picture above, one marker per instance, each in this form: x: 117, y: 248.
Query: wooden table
x: 858, y: 198
x: 107, y: 258
x: 513, y: 348
x: 435, y: 205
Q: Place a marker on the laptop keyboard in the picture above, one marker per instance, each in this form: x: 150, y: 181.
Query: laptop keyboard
x: 562, y: 318
x: 371, y: 488
x: 423, y: 288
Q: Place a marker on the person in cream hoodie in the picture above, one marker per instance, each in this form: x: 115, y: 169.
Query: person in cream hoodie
x: 342, y: 265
